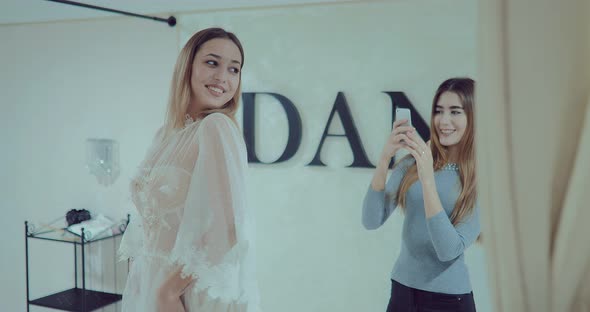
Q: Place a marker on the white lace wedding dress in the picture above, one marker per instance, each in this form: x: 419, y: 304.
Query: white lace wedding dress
x: 190, y: 198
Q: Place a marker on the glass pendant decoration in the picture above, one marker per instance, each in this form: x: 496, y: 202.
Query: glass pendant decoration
x: 102, y: 160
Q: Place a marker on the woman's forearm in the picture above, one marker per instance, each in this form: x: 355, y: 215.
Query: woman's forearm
x: 380, y: 174
x: 171, y: 290
x: 432, y: 204
x: 176, y: 283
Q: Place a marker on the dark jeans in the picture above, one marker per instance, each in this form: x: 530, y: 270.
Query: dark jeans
x: 407, y: 299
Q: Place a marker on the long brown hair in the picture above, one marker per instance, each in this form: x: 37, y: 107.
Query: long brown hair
x: 464, y: 88
x: 180, y: 87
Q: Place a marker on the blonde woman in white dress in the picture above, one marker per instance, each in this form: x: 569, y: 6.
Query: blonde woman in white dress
x: 192, y: 245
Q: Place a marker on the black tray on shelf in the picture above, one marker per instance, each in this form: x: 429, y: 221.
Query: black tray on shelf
x: 72, y: 300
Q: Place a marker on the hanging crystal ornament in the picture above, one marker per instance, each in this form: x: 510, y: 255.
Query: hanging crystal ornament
x: 102, y: 160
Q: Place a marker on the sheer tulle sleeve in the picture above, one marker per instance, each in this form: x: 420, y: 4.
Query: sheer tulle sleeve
x: 132, y: 241
x: 212, y: 241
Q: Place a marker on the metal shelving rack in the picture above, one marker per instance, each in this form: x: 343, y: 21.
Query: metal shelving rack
x: 77, y: 299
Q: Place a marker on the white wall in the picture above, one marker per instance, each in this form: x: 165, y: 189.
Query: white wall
x: 62, y: 83
x: 69, y: 81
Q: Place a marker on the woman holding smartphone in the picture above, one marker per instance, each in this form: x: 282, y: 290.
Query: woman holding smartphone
x: 435, y: 185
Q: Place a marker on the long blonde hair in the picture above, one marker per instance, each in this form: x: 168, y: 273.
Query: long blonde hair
x: 464, y: 88
x: 180, y: 87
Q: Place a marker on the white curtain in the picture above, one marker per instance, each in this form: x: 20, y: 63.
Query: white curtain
x: 571, y: 263
x: 533, y: 133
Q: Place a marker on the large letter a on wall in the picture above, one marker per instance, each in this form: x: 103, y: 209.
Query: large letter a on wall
x: 350, y: 132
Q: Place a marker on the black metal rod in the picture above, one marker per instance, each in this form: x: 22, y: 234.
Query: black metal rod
x: 56, y: 240
x: 171, y: 21
x: 128, y: 259
x: 73, y: 241
x: 75, y: 266
x: 108, y: 237
x: 27, y: 260
x: 40, y: 233
x: 83, y: 275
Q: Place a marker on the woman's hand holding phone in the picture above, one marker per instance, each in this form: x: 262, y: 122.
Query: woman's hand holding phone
x: 397, y: 138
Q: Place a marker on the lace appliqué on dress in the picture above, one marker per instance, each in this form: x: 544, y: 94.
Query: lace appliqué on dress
x: 221, y: 280
x: 131, y: 244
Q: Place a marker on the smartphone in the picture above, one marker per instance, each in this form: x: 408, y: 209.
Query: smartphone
x: 403, y: 113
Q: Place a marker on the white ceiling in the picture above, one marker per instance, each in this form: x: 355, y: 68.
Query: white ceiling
x: 31, y: 11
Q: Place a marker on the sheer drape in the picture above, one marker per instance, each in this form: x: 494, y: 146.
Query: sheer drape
x: 191, y: 198
x: 533, y: 151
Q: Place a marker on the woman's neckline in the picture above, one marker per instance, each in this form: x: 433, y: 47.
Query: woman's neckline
x: 450, y: 166
x: 189, y: 121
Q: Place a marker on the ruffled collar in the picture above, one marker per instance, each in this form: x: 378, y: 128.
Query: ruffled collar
x: 188, y: 120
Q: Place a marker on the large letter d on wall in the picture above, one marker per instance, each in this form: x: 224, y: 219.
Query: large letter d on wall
x: 249, y: 129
